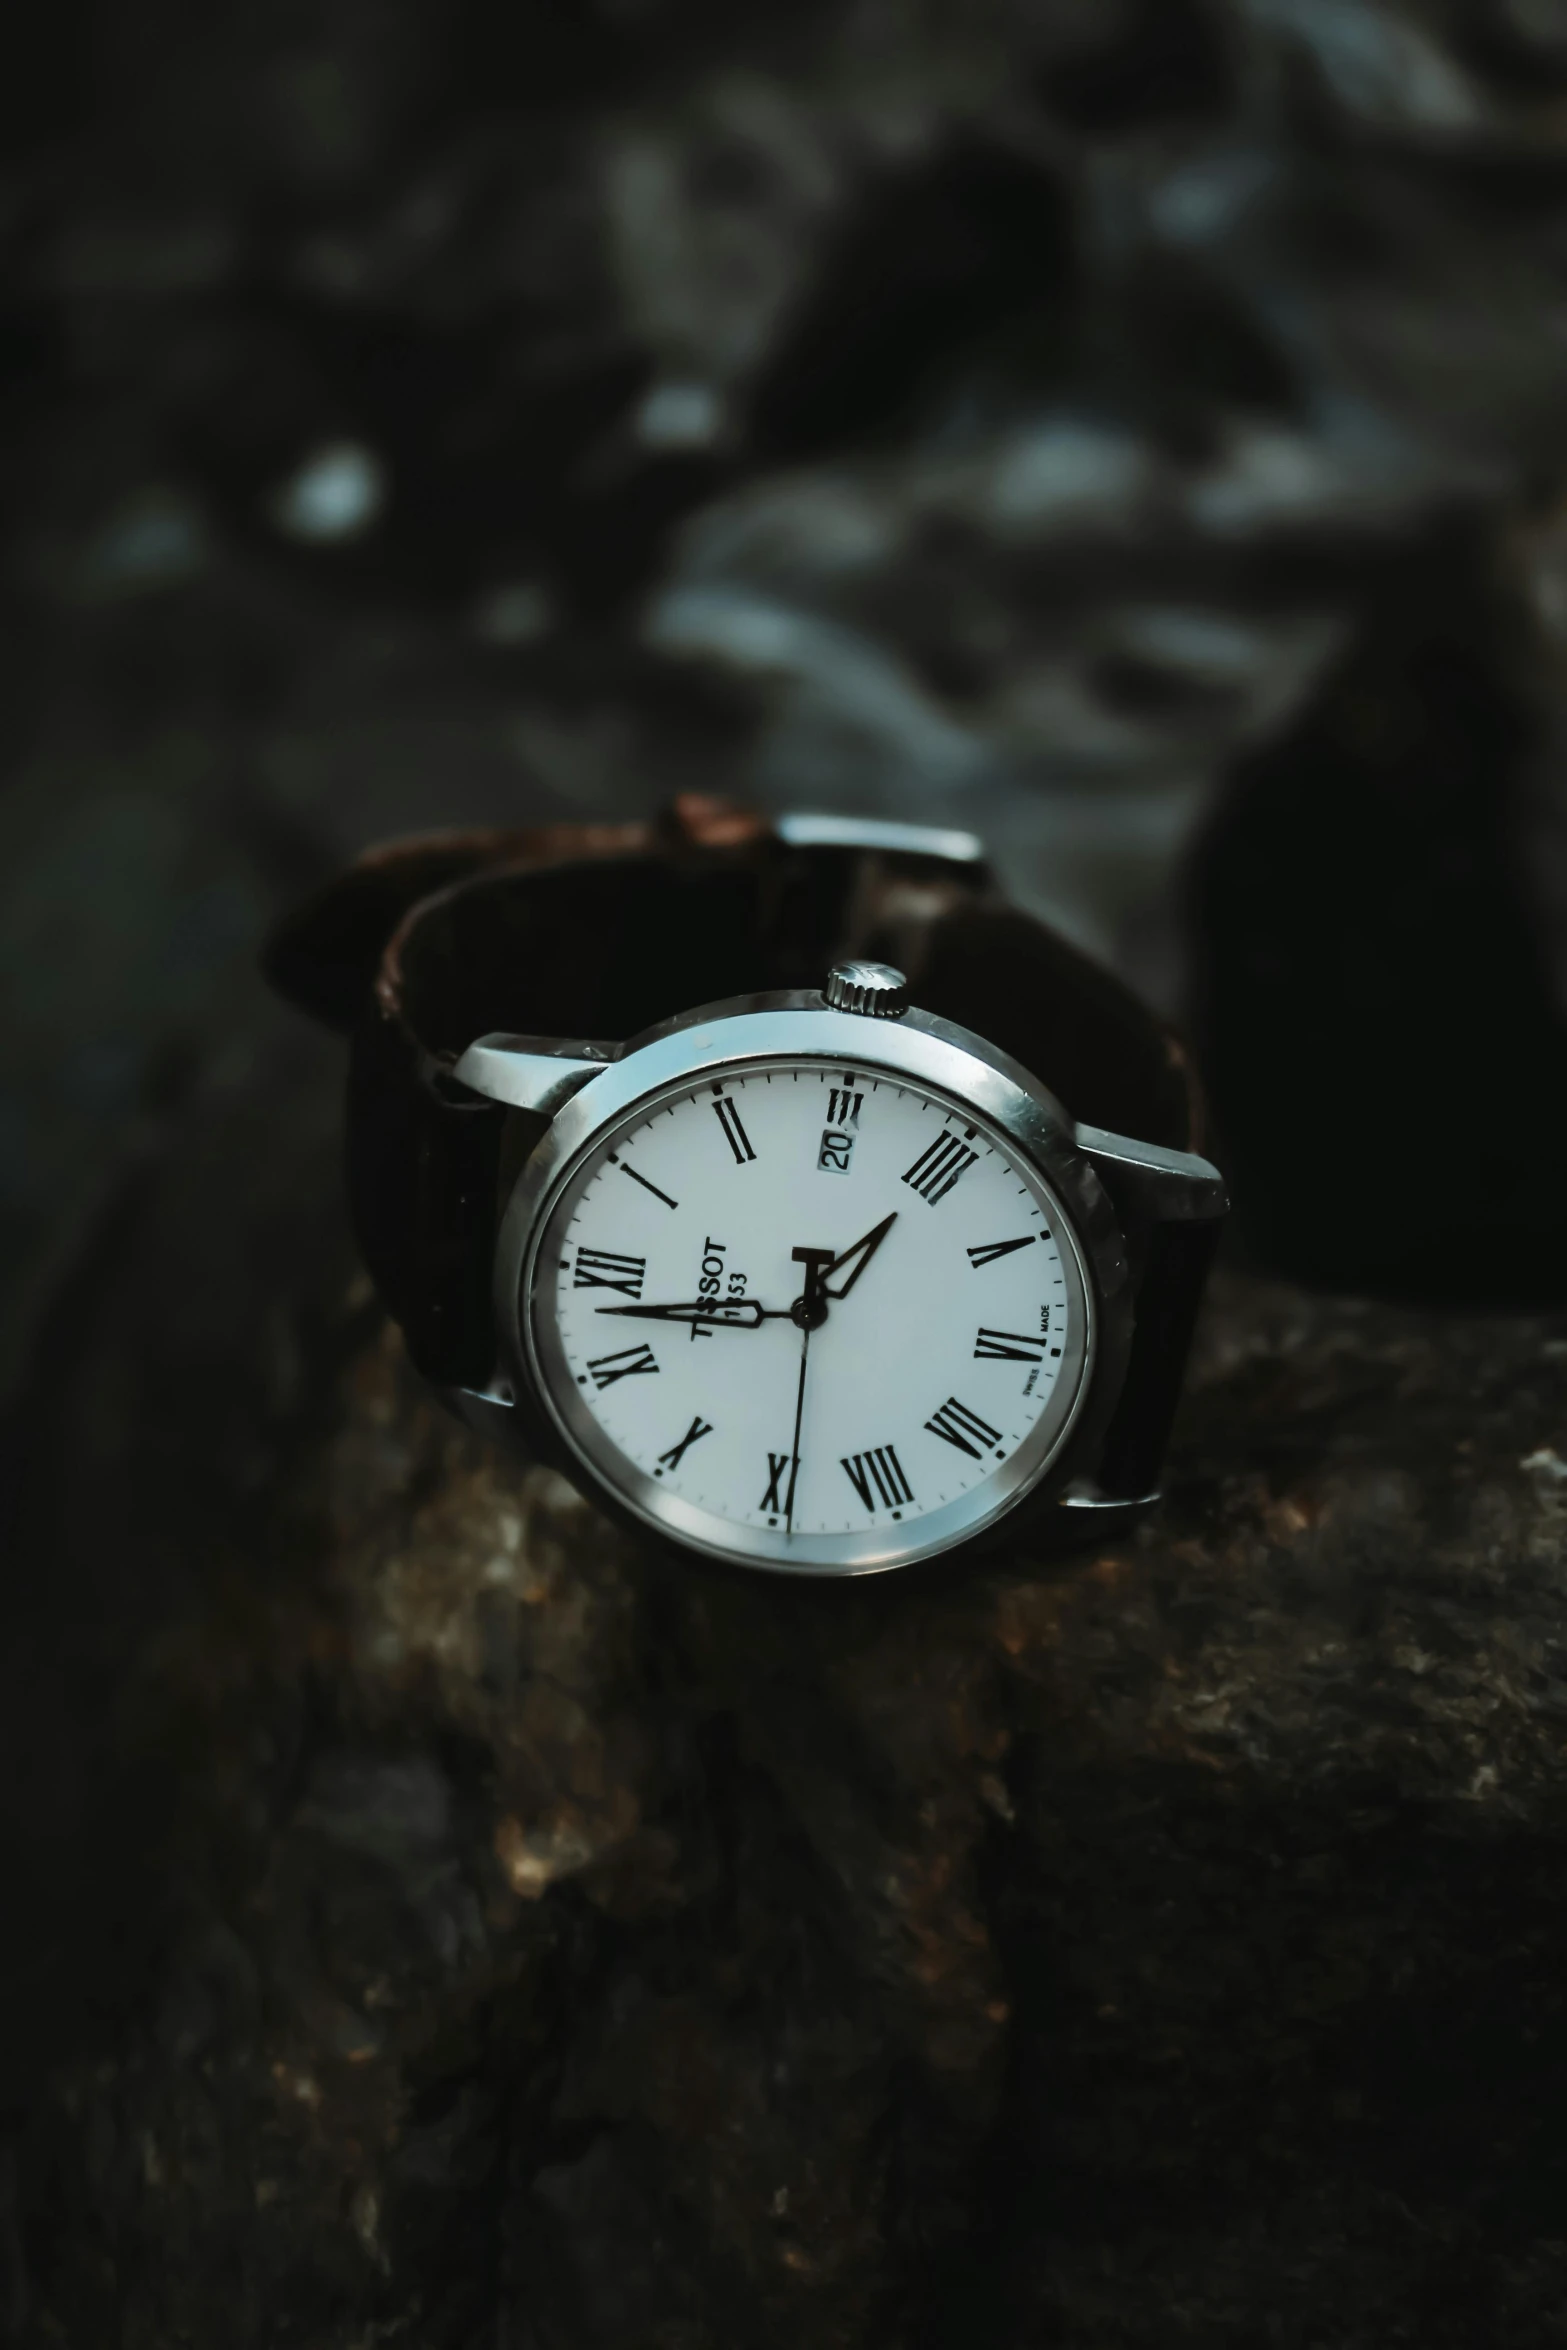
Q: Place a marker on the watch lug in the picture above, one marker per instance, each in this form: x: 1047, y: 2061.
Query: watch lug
x: 1085, y: 1495
x: 804, y: 829
x: 1174, y: 1187
x: 490, y: 1411
x: 539, y: 1073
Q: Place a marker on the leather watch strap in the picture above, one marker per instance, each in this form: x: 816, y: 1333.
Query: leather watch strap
x: 602, y: 931
x: 1171, y: 1262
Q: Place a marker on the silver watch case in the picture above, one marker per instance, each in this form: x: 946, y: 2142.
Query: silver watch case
x: 584, y: 1092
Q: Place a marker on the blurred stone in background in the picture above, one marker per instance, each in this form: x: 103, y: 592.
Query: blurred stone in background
x: 999, y: 413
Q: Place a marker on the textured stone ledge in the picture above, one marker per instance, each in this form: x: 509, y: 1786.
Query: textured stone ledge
x: 572, y: 1951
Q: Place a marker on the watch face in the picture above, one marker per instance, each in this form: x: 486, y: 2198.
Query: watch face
x: 809, y: 1316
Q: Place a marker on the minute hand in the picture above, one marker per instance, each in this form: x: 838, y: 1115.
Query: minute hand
x: 736, y: 1313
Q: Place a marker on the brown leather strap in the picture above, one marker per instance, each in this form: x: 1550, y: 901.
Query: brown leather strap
x: 603, y: 931
x: 1170, y: 1268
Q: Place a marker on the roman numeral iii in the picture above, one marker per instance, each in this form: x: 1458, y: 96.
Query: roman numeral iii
x: 734, y: 1133
x: 1008, y: 1346
x: 627, y: 1364
x: 877, y: 1477
x: 956, y: 1424
x: 938, y: 1167
x: 599, y: 1268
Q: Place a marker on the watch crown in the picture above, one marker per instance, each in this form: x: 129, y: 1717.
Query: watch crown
x: 872, y: 988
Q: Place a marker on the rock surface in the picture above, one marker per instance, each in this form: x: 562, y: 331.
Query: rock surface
x: 538, y: 1945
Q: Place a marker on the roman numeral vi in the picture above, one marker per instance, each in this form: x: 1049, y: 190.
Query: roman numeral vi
x: 777, y: 1462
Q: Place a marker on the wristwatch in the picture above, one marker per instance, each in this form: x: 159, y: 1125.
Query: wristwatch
x: 810, y: 1206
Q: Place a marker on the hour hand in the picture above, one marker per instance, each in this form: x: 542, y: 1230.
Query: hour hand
x: 734, y: 1313
x: 857, y: 1258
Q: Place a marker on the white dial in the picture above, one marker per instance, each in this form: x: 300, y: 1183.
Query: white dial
x: 810, y: 1314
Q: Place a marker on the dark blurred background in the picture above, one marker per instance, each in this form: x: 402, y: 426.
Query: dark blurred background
x: 1132, y: 429
x: 1019, y: 414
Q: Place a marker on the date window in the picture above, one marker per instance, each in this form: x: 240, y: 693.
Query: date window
x: 837, y: 1143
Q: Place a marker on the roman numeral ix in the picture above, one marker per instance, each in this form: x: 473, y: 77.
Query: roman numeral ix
x: 991, y: 1249
x: 879, y: 1471
x: 938, y: 1167
x: 956, y: 1424
x: 734, y: 1133
x: 627, y: 1364
x: 1008, y: 1346
x: 599, y: 1268
x: 693, y: 1435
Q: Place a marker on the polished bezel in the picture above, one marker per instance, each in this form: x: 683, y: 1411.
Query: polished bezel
x: 952, y: 1065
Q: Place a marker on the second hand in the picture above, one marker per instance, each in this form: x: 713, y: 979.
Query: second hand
x: 799, y: 1414
x: 809, y: 1310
